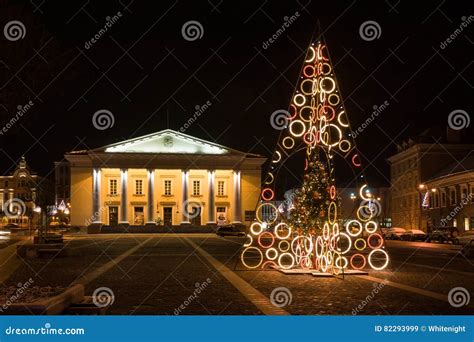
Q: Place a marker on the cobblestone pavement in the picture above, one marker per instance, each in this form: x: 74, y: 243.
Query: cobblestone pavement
x: 165, y: 275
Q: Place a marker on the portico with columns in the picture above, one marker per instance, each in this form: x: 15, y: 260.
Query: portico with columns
x: 167, y: 178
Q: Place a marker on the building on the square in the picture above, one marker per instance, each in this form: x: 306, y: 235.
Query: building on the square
x: 450, y: 196
x: 167, y: 178
x: 418, y: 160
x: 19, y: 195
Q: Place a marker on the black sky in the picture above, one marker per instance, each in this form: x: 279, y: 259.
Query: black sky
x: 142, y: 69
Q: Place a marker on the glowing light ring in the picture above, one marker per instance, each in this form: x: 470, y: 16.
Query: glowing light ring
x: 328, y: 112
x: 335, y: 228
x: 267, y: 194
x: 354, y: 157
x: 324, y: 266
x: 242, y: 257
x: 272, y: 250
x: 285, y: 145
x: 303, y: 128
x: 310, y: 117
x: 349, y: 245
x: 268, y: 262
x: 332, y: 243
x: 361, y: 213
x: 313, y: 54
x: 375, y: 235
x: 337, y: 262
x: 301, y: 101
x: 352, y: 261
x: 323, y: 79
x: 278, y: 159
x: 320, y: 53
x: 328, y: 66
x: 259, y: 240
x: 319, y: 242
x: 254, y: 225
x: 334, y: 103
x: 268, y: 182
x: 303, y: 87
x: 310, y: 141
x: 308, y: 249
x: 370, y: 259
x: 259, y: 211
x: 284, y: 249
x: 348, y: 144
x: 277, y: 227
x: 312, y: 73
x: 286, y: 267
x: 332, y: 192
x: 343, y: 124
x: 362, y: 192
x: 250, y: 242
x: 332, y: 213
x: 358, y: 247
x: 327, y: 135
x: 373, y: 230
x: 293, y: 112
x: 349, y: 225
x: 326, y: 233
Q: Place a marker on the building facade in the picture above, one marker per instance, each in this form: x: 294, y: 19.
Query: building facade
x: 417, y: 161
x: 19, y: 195
x: 449, y: 196
x: 166, y: 178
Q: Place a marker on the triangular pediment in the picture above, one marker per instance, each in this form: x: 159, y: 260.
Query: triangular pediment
x: 167, y: 142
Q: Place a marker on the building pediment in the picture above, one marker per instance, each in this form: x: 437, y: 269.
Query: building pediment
x: 166, y: 142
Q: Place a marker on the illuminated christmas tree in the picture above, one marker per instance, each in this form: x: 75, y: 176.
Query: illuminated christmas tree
x: 311, y: 234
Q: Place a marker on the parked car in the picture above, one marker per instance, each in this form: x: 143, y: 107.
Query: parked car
x: 464, y: 239
x: 229, y: 230
x: 394, y: 233
x: 443, y: 234
x: 414, y: 235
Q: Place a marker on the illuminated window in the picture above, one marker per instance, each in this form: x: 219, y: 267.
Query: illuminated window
x: 196, y: 188
x: 167, y: 187
x: 113, y: 187
x: 138, y: 187
x: 220, y: 188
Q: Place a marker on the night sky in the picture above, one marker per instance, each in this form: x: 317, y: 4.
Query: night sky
x: 151, y: 78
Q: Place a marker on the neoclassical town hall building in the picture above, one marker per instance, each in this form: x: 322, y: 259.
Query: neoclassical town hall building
x: 167, y: 178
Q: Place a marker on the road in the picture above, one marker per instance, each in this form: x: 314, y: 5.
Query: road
x: 188, y: 274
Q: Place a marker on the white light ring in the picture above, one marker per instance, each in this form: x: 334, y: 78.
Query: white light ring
x: 301, y: 100
x: 308, y: 250
x: 286, y: 267
x: 281, y: 248
x: 252, y: 228
x: 323, y: 265
x: 308, y: 120
x: 343, y: 124
x: 276, y: 231
x: 288, y: 147
x: 326, y: 134
x: 322, y: 68
x: 272, y: 178
x: 361, y: 216
x: 303, y: 90
x: 369, y: 259
x: 334, y: 103
x: 325, y: 90
x: 319, y: 241
x: 274, y: 161
x: 326, y: 233
x: 361, y: 228
x: 248, y: 243
x: 332, y: 213
x: 374, y: 229
x: 272, y: 250
x: 362, y: 193
x: 349, y: 245
x: 337, y: 264
x: 335, y: 228
x: 259, y: 213
x: 245, y: 251
x: 297, y: 134
x: 313, y: 54
x: 345, y: 141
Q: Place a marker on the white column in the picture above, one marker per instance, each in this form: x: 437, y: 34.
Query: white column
x: 237, y: 210
x: 211, y: 214
x: 184, y: 204
x: 96, y: 212
x: 123, y: 196
x: 151, y: 196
